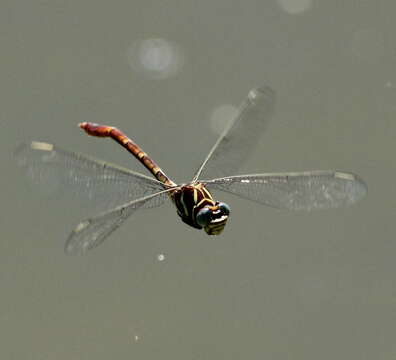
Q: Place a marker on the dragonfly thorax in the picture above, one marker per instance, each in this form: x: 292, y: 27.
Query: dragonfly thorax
x: 196, y: 207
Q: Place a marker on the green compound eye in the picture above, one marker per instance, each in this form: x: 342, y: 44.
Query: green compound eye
x: 204, y: 216
x: 224, y: 208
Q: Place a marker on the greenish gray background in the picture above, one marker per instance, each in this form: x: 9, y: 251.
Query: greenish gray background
x: 275, y: 285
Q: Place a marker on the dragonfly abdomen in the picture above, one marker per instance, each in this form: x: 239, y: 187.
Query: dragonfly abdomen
x: 117, y: 135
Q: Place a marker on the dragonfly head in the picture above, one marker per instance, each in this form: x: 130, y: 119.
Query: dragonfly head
x: 213, y: 218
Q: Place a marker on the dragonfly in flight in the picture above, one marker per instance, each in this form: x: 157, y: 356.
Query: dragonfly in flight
x: 122, y: 191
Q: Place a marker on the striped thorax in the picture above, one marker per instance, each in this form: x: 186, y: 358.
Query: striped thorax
x: 196, y: 207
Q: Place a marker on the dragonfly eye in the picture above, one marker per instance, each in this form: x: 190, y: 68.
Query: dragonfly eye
x: 225, y: 209
x: 204, y: 216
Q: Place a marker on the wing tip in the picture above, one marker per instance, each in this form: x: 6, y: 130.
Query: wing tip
x: 22, y: 151
x: 359, y: 187
x: 43, y: 146
x: 72, y: 245
x: 262, y: 92
x: 71, y: 249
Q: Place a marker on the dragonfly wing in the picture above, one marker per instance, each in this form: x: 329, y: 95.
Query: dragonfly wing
x: 309, y: 190
x: 91, y: 232
x: 240, y: 137
x: 103, y: 184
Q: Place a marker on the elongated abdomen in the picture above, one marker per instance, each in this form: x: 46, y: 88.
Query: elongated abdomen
x: 117, y: 135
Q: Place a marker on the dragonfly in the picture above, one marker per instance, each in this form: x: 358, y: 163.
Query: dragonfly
x: 122, y: 191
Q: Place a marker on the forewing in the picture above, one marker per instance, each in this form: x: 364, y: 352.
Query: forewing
x: 309, y: 190
x: 91, y: 232
x: 240, y: 136
x: 101, y: 184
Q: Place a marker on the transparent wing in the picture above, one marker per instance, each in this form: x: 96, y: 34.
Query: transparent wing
x: 91, y: 232
x: 103, y: 185
x: 240, y: 137
x: 309, y: 190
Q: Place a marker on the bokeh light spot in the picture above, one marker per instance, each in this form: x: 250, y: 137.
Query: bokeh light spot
x: 160, y: 257
x: 295, y: 6
x: 155, y: 58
